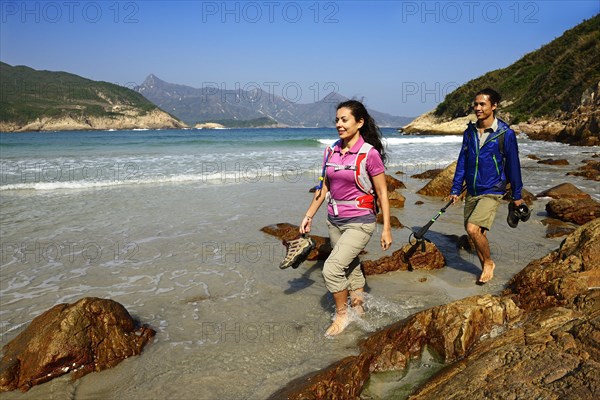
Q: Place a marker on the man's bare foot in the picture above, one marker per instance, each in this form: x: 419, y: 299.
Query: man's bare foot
x: 339, y: 324
x: 488, y: 272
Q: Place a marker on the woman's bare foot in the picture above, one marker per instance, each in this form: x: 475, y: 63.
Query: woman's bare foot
x: 357, y: 301
x: 488, y: 272
x: 339, y: 324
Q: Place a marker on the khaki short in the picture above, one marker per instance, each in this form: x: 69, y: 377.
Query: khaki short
x: 481, y: 210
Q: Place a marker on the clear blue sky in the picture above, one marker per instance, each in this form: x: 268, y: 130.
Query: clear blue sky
x: 401, y: 57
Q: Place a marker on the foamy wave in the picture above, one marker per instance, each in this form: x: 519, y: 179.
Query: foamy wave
x: 398, y: 141
x: 219, y: 178
x: 424, y: 139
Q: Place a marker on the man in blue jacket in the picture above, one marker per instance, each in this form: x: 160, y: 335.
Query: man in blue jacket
x: 489, y: 157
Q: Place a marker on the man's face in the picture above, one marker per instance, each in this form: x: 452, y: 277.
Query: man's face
x: 483, y: 107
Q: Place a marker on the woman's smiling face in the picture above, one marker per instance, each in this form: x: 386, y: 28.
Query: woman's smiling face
x: 346, y: 125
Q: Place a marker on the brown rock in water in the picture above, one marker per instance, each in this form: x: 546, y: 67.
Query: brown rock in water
x: 564, y: 191
x: 393, y: 183
x: 533, y: 157
x: 90, y: 335
x: 396, y: 199
x: 394, y: 221
x: 286, y: 232
x: 590, y: 170
x: 579, y: 211
x: 539, y: 339
x: 409, y: 257
x: 440, y: 185
x: 429, y: 174
x: 551, y: 161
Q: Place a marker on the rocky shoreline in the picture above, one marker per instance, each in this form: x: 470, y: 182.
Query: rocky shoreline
x: 537, y: 339
x: 581, y: 128
x: 125, y: 119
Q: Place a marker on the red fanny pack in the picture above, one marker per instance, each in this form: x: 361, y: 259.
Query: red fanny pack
x: 366, y: 201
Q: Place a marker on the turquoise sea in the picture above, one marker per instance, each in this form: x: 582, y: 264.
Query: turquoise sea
x: 167, y: 222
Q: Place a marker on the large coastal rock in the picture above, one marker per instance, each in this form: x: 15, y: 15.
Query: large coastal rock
x: 90, y: 335
x: 124, y: 118
x: 564, y: 191
x: 423, y: 255
x: 579, y: 211
x: 539, y: 339
x: 393, y: 183
x: 429, y: 124
x: 441, y: 184
x: 580, y: 127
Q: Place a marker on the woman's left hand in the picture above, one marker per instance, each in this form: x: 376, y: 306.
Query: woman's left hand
x: 386, y: 239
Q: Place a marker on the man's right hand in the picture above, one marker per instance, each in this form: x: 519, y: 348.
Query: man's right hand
x: 454, y: 198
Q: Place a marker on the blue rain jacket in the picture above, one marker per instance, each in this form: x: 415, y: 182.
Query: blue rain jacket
x: 486, y: 170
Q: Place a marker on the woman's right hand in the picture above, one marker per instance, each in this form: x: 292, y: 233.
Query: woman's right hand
x: 305, y: 225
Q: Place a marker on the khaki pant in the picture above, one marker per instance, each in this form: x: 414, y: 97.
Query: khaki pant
x: 481, y: 210
x: 342, y: 267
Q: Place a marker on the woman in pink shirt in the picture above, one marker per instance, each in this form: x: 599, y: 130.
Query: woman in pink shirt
x: 353, y: 186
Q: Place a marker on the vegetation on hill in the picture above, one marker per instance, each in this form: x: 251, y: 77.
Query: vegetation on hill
x: 547, y: 82
x: 27, y: 94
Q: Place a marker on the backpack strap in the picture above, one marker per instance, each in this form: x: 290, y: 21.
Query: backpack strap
x: 326, y: 157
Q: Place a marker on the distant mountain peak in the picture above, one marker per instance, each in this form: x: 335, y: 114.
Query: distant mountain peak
x: 210, y: 104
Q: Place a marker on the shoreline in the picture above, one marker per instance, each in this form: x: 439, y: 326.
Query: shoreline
x: 204, y: 275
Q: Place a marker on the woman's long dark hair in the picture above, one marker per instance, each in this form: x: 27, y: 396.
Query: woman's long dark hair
x: 369, y: 131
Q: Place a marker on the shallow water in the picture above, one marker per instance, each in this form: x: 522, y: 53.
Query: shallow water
x: 187, y: 257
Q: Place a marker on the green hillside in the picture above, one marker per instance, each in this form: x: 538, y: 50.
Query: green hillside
x: 27, y: 94
x: 545, y: 82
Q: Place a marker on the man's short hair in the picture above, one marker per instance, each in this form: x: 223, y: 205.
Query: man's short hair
x: 492, y: 95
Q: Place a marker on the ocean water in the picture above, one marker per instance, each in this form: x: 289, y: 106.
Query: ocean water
x: 168, y: 224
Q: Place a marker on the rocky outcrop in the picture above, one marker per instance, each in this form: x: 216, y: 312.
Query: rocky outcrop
x: 429, y: 174
x: 394, y: 221
x: 579, y: 211
x: 123, y: 118
x: 552, y: 161
x: 396, y: 199
x: 393, y: 183
x: 441, y: 184
x: 589, y: 170
x: 538, y: 339
x: 569, y: 207
x: 90, y: 335
x: 580, y: 127
x: 570, y: 204
x: 209, y: 125
x: 540, y: 129
x: 564, y: 191
x: 422, y: 255
x: 430, y: 124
